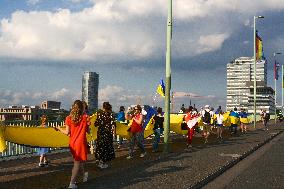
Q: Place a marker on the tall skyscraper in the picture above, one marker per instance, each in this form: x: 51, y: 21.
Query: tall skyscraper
x: 240, y: 78
x: 90, y: 87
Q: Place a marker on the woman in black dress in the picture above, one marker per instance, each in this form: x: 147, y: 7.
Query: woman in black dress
x: 106, y: 123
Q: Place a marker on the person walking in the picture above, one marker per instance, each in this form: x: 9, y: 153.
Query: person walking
x: 182, y: 109
x: 244, y: 120
x: 191, y: 120
x: 121, y: 118
x: 262, y: 116
x: 158, y: 128
x: 136, y: 131
x: 266, y: 119
x: 76, y: 128
x: 206, y: 118
x: 106, y: 124
x: 43, y: 162
x: 219, y: 124
x: 234, y: 121
x: 218, y: 109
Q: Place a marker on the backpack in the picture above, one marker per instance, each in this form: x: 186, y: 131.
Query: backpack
x: 206, y: 117
x: 267, y: 116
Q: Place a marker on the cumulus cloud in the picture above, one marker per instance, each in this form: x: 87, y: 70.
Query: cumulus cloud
x: 59, y: 94
x: 118, y: 96
x: 125, y: 30
x: 210, y: 43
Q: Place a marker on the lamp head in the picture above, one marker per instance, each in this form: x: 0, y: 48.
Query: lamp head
x: 276, y: 53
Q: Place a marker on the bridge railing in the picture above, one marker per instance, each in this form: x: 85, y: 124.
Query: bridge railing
x: 17, y: 149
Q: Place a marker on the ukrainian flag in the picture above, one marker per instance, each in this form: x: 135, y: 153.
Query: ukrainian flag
x: 161, y: 88
x: 258, y: 47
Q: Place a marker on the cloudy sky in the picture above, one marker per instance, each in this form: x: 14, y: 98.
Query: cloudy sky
x: 46, y: 45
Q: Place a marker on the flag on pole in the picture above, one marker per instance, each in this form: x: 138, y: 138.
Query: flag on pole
x: 161, y: 88
x: 258, y: 47
x: 276, y: 68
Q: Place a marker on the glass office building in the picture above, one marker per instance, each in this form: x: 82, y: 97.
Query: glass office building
x: 90, y: 87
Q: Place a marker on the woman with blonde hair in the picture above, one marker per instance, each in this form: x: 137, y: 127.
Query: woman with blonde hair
x: 76, y: 128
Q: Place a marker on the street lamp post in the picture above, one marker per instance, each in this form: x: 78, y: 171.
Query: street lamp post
x: 275, y: 90
x: 282, y: 88
x: 168, y: 79
x: 254, y: 82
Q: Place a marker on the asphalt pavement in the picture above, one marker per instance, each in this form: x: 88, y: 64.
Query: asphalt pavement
x: 265, y: 172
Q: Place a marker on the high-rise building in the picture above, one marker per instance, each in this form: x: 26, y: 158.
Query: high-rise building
x: 90, y: 87
x: 240, y: 79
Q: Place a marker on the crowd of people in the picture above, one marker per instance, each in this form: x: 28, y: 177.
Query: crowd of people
x: 78, y: 122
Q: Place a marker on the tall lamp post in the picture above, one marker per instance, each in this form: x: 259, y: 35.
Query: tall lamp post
x: 168, y: 79
x: 282, y: 86
x: 254, y: 82
x: 275, y: 90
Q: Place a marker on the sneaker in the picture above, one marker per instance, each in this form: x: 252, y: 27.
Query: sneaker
x: 103, y: 165
x: 85, y: 178
x: 143, y: 155
x: 189, y: 146
x: 46, y: 163
x: 118, y: 146
x: 100, y: 165
x: 72, y: 186
x: 206, y: 141
x: 129, y: 157
x: 154, y: 151
x: 41, y: 165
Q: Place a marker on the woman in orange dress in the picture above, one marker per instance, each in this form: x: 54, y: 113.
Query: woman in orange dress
x: 76, y: 128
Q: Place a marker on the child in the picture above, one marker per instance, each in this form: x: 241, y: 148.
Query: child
x: 42, y: 151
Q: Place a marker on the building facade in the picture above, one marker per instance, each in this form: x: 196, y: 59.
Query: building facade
x: 33, y: 113
x: 240, y: 79
x: 22, y: 113
x: 50, y: 105
x: 90, y: 88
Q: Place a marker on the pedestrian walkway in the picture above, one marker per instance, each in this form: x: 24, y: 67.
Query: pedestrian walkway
x: 181, y: 168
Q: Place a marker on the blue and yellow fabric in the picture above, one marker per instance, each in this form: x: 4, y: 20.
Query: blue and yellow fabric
x: 234, y: 117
